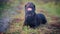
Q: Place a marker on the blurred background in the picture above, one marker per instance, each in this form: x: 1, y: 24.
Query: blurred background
x: 14, y: 11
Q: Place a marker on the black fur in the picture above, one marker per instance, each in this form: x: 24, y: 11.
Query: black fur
x: 31, y: 18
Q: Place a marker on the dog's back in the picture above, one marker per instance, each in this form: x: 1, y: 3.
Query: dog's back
x: 41, y: 18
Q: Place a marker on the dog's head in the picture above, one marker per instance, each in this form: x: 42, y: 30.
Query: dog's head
x: 30, y: 8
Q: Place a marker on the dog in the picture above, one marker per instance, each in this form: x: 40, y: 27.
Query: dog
x: 31, y: 18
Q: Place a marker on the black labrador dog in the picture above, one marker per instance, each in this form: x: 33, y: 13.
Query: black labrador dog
x: 31, y: 18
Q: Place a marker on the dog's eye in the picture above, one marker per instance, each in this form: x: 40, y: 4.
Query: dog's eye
x: 29, y: 9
